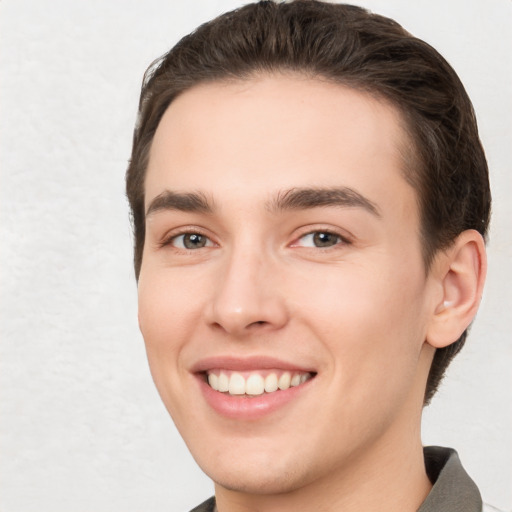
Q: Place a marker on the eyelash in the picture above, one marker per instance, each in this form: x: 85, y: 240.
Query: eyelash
x: 342, y: 240
x: 168, y: 240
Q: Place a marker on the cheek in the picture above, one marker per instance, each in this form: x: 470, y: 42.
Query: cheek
x: 359, y: 295
x: 368, y: 321
x: 167, y: 316
x: 372, y: 336
x: 167, y: 310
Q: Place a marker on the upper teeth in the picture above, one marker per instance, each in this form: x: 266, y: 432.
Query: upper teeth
x: 253, y: 383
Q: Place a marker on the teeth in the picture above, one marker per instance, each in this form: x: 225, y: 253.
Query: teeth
x: 236, y: 384
x: 255, y: 384
x: 213, y: 380
x: 295, y: 380
x: 271, y: 383
x: 223, y: 383
x: 284, y: 380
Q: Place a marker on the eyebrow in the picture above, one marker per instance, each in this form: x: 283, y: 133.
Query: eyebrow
x: 306, y: 198
x: 292, y: 199
x: 185, y: 202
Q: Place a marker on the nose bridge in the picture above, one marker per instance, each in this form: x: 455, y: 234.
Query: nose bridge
x: 246, y: 295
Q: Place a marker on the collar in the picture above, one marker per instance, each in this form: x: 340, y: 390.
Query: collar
x: 453, y: 489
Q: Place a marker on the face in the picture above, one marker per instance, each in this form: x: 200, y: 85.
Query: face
x: 283, y: 298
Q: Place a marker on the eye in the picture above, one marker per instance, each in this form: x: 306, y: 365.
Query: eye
x: 320, y: 239
x: 191, y: 241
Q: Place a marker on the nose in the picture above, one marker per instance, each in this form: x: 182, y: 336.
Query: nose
x: 247, y: 297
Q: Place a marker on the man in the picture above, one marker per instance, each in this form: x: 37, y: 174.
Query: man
x: 310, y: 200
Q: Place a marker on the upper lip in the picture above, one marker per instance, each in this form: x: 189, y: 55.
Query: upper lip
x: 247, y: 364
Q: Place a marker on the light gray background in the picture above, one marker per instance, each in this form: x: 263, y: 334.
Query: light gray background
x: 82, y: 428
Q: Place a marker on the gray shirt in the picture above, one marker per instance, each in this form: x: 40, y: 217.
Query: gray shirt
x: 452, y: 491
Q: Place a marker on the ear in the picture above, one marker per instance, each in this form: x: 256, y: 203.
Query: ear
x: 460, y: 270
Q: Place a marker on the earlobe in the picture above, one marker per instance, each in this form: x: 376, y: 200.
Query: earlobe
x: 461, y: 271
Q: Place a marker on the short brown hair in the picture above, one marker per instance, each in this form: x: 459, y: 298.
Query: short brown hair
x: 350, y: 46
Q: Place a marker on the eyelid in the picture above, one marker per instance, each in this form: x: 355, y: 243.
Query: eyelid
x: 345, y: 239
x: 182, y: 247
x: 169, y: 236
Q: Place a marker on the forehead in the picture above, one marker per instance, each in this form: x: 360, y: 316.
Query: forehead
x: 276, y: 132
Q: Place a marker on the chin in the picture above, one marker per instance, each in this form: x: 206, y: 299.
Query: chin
x: 265, y: 473
x: 266, y: 482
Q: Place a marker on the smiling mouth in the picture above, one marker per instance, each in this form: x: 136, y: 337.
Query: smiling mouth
x: 255, y: 383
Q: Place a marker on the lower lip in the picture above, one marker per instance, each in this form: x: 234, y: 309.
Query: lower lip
x: 250, y: 408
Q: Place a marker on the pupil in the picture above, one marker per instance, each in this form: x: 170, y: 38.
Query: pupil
x: 324, y: 239
x: 193, y: 241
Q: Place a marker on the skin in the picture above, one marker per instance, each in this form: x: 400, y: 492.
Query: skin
x: 362, y: 312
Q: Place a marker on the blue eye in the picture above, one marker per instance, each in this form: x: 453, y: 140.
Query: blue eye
x: 191, y: 241
x: 320, y: 239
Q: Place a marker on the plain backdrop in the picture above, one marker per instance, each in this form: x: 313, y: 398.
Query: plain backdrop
x: 81, y: 426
